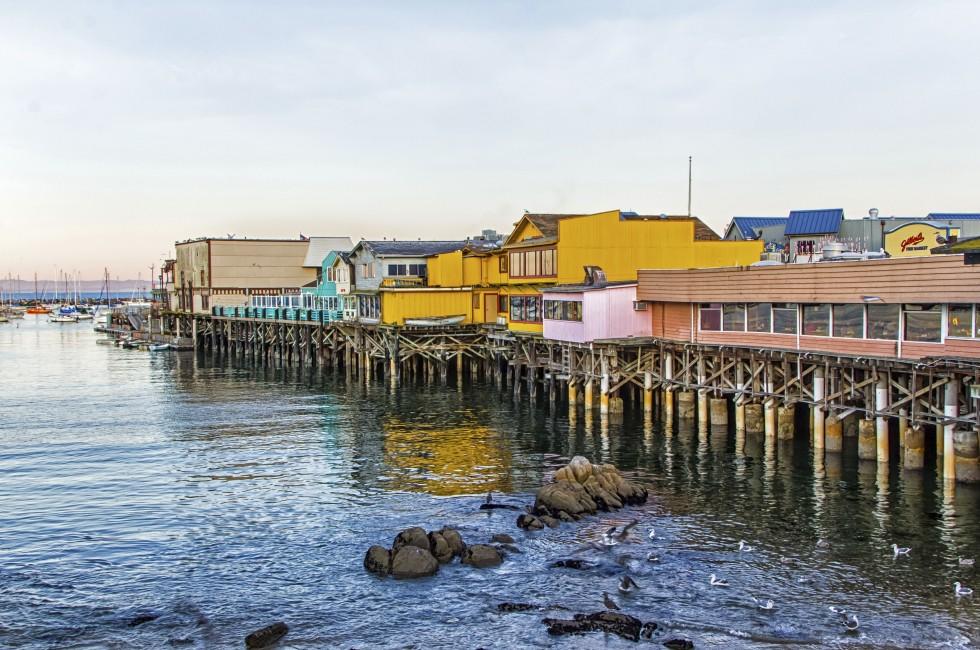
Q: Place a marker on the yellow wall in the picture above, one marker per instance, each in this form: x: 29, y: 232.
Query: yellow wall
x: 494, y: 275
x: 524, y: 230
x: 474, y: 270
x: 399, y: 304
x: 622, y: 247
x: 445, y: 269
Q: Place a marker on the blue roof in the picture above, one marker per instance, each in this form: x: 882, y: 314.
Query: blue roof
x: 813, y: 222
x: 945, y: 216
x: 747, y: 225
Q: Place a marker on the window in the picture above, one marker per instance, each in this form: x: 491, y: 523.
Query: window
x: 525, y: 309
x: 367, y: 270
x: 759, y: 317
x: 563, y: 310
x: 849, y: 321
x: 501, y: 304
x: 923, y: 323
x: 369, y: 306
x: 502, y: 265
x: 816, y: 320
x: 397, y: 269
x: 552, y: 309
x: 533, y: 264
x: 476, y: 301
x: 733, y: 318
x: 784, y: 318
x: 960, y: 320
x: 883, y: 322
x: 711, y: 317
x: 202, y: 277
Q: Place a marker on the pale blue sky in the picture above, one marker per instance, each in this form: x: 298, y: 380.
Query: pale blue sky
x: 127, y: 125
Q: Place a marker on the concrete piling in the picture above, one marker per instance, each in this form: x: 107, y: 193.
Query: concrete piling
x: 786, y: 425
x: 966, y: 449
x: 913, y: 444
x: 754, y: 418
x: 833, y: 435
x: 867, y: 440
x: 685, y: 405
x: 718, y: 407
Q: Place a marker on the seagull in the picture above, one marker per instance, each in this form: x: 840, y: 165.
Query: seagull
x: 900, y: 550
x: 653, y: 533
x: 961, y: 590
x: 718, y: 582
x: 785, y: 560
x: 766, y: 604
x: 822, y: 543
x: 609, y: 537
x: 609, y: 602
x: 743, y: 547
x: 622, y: 535
x: 966, y: 561
x: 851, y: 623
x: 627, y: 585
x: 840, y: 611
x: 653, y: 557
x: 490, y: 497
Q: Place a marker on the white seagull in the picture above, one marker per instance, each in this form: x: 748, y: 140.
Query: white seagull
x: 966, y: 561
x: 653, y: 557
x: 718, y: 582
x: 764, y: 604
x: 653, y: 533
x: 851, y: 623
x: 743, y: 547
x: 822, y: 543
x: 961, y: 590
x: 900, y: 550
x: 840, y: 611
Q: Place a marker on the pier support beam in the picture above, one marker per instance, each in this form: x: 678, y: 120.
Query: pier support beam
x: 881, y: 422
x: 719, y: 412
x: 818, y: 409
x: 944, y: 443
x: 867, y: 440
x: 589, y: 394
x: 786, y: 425
x: 685, y: 405
x: 754, y: 418
x: 833, y: 435
x: 647, y: 393
x: 604, y: 387
x: 914, y: 443
x: 966, y: 448
x: 668, y: 392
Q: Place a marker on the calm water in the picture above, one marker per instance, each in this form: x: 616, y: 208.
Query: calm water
x: 220, y: 498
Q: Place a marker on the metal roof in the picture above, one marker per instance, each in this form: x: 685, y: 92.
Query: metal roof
x: 747, y: 225
x: 813, y: 222
x: 409, y: 248
x: 320, y: 247
x: 945, y: 216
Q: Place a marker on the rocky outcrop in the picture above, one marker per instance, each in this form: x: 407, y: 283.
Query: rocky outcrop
x: 503, y: 538
x: 624, y: 625
x: 581, y: 488
x: 440, y: 548
x: 266, y: 636
x: 529, y: 522
x: 454, y: 539
x: 481, y: 556
x: 411, y: 562
x: 412, y: 537
x: 378, y: 560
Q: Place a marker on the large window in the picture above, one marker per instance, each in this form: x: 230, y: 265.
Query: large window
x: 759, y: 317
x: 369, y: 306
x: 923, y: 323
x: 883, y: 322
x: 960, y: 320
x: 849, y: 321
x: 711, y: 317
x: 816, y: 320
x: 733, y: 318
x: 563, y: 310
x: 784, y: 318
x: 501, y: 304
x: 525, y: 309
x: 533, y: 264
x: 415, y: 270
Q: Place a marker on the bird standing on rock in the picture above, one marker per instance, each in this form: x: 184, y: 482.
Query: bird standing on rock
x: 900, y: 550
x: 490, y: 497
x: 609, y: 602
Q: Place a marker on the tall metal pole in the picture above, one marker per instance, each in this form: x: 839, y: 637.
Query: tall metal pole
x: 689, y: 186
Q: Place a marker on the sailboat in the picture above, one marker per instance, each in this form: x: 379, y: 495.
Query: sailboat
x: 37, y: 307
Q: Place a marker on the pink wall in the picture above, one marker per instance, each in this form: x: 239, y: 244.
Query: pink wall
x: 606, y: 314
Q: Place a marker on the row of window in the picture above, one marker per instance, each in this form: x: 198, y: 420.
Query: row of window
x: 304, y: 301
x: 526, y: 309
x: 414, y: 270
x: 336, y: 274
x: 369, y: 306
x: 533, y: 264
x: 563, y: 310
x: 918, y: 323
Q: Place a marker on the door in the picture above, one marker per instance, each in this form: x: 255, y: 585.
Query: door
x: 490, y: 308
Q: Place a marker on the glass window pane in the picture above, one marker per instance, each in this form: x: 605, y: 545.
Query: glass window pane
x: 923, y: 323
x: 532, y: 309
x: 759, y: 317
x: 516, y: 308
x: 784, y: 319
x: 883, y: 322
x: 960, y: 320
x: 849, y: 321
x: 733, y: 317
x: 816, y: 320
x: 711, y: 317
x: 575, y: 310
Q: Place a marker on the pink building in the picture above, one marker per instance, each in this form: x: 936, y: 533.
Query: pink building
x: 585, y: 313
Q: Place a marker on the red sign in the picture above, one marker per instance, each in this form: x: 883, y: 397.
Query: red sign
x: 912, y: 241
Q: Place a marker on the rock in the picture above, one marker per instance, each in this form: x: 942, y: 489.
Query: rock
x: 498, y: 506
x: 550, y: 522
x: 564, y: 516
x: 503, y: 538
x: 481, y: 556
x: 648, y: 629
x: 142, y: 617
x: 564, y: 496
x: 510, y: 548
x: 266, y: 636
x: 378, y: 560
x: 413, y: 562
x: 679, y: 644
x: 516, y: 607
x: 529, y: 522
x: 454, y: 539
x: 571, y: 564
x: 412, y: 537
x: 617, y: 623
x: 580, y: 468
x: 440, y: 548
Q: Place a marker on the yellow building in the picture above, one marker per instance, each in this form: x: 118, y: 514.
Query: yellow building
x: 548, y: 249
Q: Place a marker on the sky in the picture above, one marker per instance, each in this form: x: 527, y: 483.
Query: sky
x: 125, y: 126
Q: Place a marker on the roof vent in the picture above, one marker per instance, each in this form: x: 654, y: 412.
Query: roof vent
x: 873, y: 213
x: 663, y: 216
x: 594, y: 276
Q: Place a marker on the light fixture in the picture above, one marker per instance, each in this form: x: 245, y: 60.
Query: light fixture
x: 871, y: 299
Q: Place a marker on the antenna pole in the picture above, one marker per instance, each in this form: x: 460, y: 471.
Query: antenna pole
x: 689, y: 186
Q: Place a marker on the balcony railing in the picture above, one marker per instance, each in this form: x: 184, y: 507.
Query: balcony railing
x: 404, y: 282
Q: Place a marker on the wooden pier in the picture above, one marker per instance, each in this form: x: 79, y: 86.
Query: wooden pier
x: 766, y: 392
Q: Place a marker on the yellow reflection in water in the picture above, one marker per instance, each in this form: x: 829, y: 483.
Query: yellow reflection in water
x: 445, y: 460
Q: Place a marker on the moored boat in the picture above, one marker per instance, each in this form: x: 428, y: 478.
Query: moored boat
x: 439, y: 321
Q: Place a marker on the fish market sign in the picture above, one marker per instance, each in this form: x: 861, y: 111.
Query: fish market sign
x: 915, y: 239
